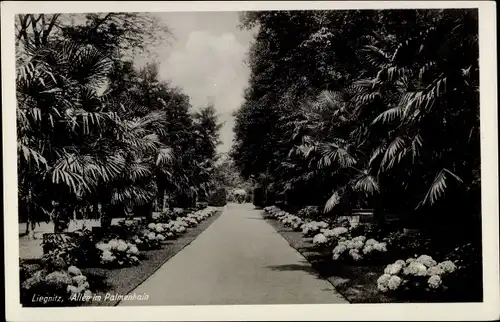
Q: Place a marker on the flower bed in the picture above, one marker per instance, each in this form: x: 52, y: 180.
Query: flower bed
x: 52, y: 285
x: 125, y: 279
x: 118, y: 253
x: 355, y: 260
x: 116, y: 261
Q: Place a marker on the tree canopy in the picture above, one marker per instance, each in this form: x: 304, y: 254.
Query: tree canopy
x: 365, y: 108
x: 96, y: 135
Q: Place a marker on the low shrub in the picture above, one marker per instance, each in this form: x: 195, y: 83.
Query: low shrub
x: 310, y: 212
x: 165, y: 216
x: 416, y: 275
x: 127, y: 228
x: 330, y: 237
x: 179, y: 212
x: 201, y: 205
x: 359, y: 249
x: 405, y: 245
x: 218, y: 198
x: 46, y: 286
x: 118, y: 253
x: 148, y: 238
x: 466, y: 283
x: 76, y: 248
x: 312, y: 228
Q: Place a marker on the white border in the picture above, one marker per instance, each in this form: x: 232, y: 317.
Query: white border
x: 488, y: 310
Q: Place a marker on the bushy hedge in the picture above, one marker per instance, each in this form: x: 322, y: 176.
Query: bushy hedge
x: 218, y: 198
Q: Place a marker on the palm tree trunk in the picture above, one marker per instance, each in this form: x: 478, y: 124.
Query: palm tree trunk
x: 164, y: 203
x: 148, y: 212
x: 106, y: 218
x: 30, y: 229
x: 378, y: 211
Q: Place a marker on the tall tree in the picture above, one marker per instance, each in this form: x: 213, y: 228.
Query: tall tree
x: 360, y: 122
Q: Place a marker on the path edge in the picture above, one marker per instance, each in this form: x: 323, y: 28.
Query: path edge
x: 213, y: 219
x: 274, y: 224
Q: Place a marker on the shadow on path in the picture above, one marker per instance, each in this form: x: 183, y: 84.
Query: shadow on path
x: 293, y: 267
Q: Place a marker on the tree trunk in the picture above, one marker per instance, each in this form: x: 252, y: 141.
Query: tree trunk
x: 148, y: 212
x: 106, y: 218
x: 378, y: 211
x: 164, y: 202
x: 30, y: 229
x: 61, y: 221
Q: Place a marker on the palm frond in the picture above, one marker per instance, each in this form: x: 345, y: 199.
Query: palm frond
x: 333, y: 201
x: 32, y: 155
x: 366, y: 183
x: 438, y: 187
x: 332, y: 153
x: 165, y: 156
x: 390, y: 115
x: 397, y: 144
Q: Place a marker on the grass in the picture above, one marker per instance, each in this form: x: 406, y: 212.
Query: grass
x: 122, y: 281
x: 357, y: 283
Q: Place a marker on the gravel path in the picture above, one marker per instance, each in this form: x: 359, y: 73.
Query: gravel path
x: 239, y: 259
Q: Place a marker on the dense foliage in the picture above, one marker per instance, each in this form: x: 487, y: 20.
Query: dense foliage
x: 376, y: 109
x: 96, y: 135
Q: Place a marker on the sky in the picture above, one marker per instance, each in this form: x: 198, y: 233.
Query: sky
x: 206, y: 59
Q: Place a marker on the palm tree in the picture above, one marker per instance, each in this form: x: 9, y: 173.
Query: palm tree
x: 59, y: 112
x: 377, y: 136
x: 431, y: 114
x: 75, y: 144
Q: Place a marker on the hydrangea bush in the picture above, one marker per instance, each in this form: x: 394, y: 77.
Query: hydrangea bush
x: 358, y: 248
x: 313, y: 228
x: 416, y: 274
x: 329, y: 237
x: 148, y: 239
x: 292, y: 221
x: 44, y: 281
x: 273, y: 211
x: 118, y: 253
x: 190, y: 222
x: 203, y: 214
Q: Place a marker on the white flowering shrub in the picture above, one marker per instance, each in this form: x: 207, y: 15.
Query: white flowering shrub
x: 358, y: 248
x: 203, y: 214
x: 45, y: 282
x: 271, y: 209
x: 118, y: 252
x: 149, y: 239
x: 190, y: 221
x: 313, y: 227
x: 421, y: 273
x: 291, y: 221
x: 274, y: 212
x: 330, y: 237
x: 79, y: 284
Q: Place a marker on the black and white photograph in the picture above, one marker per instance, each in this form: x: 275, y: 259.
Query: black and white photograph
x: 297, y: 155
